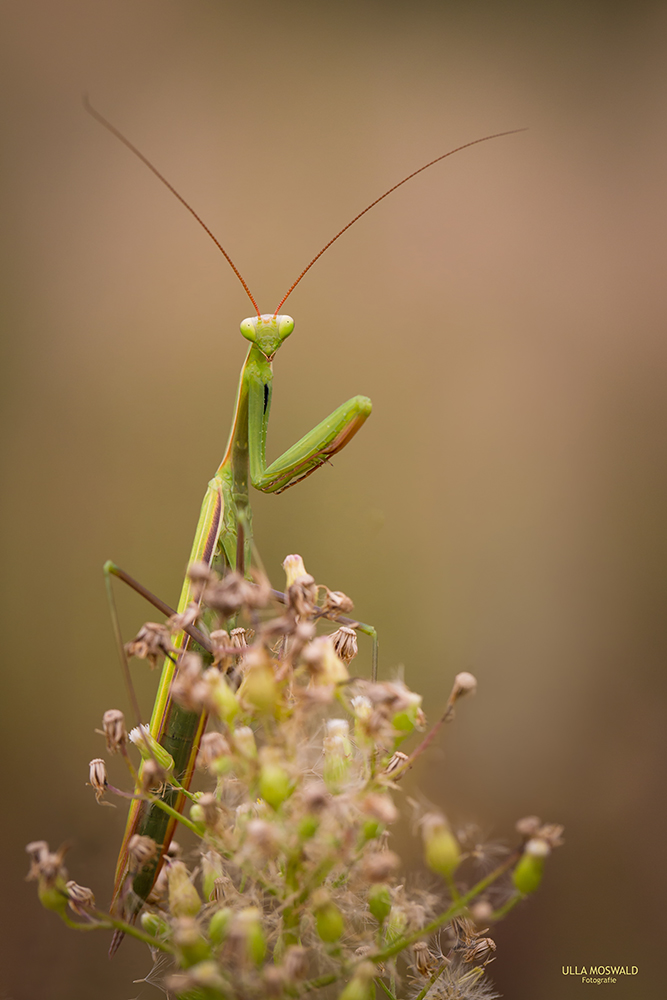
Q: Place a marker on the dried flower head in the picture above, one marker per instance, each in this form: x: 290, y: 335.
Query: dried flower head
x: 152, y: 642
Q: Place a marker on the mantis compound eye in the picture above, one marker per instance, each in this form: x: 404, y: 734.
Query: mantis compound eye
x: 285, y: 326
x: 249, y: 328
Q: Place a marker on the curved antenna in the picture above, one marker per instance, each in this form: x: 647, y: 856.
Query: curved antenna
x: 414, y: 173
x: 126, y: 142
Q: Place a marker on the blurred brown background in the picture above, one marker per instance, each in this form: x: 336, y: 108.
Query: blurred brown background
x: 503, y: 510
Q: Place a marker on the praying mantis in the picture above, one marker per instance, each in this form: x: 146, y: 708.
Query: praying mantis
x: 224, y: 530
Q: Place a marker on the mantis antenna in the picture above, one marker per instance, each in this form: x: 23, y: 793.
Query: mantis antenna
x: 496, y: 135
x: 126, y: 142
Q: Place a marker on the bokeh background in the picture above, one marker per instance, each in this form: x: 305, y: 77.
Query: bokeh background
x: 502, y: 511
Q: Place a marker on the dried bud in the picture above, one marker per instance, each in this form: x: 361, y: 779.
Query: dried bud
x: 184, y: 899
x: 51, y: 876
x: 528, y: 826
x: 337, y: 603
x: 113, y: 726
x: 380, y: 865
x: 324, y: 666
x: 315, y: 796
x: 212, y: 748
x: 151, y: 643
x: 97, y: 777
x: 140, y: 851
x: 227, y: 596
x: 206, y: 810
x: 345, y: 644
x: 464, y: 683
x: 220, y: 643
x: 188, y: 688
x: 295, y: 963
x: 380, y: 806
x: 184, y: 619
x: 263, y: 837
x: 152, y: 776
x: 81, y: 899
x: 396, y: 764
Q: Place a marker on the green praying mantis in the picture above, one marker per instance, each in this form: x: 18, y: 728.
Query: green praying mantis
x: 224, y: 532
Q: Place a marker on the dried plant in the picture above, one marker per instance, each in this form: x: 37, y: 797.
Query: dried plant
x: 295, y: 890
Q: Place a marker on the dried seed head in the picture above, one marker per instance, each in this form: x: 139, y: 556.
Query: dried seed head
x: 213, y: 746
x: 263, y: 837
x: 380, y: 866
x: 337, y: 603
x: 552, y: 833
x: 140, y: 851
x: 97, y: 777
x: 259, y: 593
x: 380, y: 806
x: 46, y: 866
x: 324, y: 666
x: 153, y: 777
x: 201, y: 573
x: 345, y: 644
x: 528, y: 826
x: 423, y: 959
x: 184, y: 619
x: 220, y: 643
x: 295, y: 963
x: 315, y: 796
x: 188, y: 689
x: 302, y: 596
x: 238, y: 638
x: 151, y: 642
x: 227, y: 596
x: 113, y: 726
x: 396, y: 763
x: 202, y: 976
x: 206, y: 810
x: 81, y: 899
x: 464, y: 683
x: 481, y: 912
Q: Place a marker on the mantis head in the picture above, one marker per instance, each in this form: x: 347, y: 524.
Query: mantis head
x: 267, y: 332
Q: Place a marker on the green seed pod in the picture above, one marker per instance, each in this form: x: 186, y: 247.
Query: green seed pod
x: 441, y: 848
x: 259, y: 688
x: 224, y: 700
x: 219, y: 925
x: 53, y: 895
x: 361, y: 986
x: 379, y: 901
x: 184, y: 899
x: 248, y: 926
x: 406, y: 720
x: 527, y: 874
x: 371, y: 829
x: 150, y: 749
x: 191, y: 947
x: 396, y: 926
x: 308, y: 827
x: 329, y: 921
x: 275, y: 785
x: 244, y: 740
x: 154, y: 924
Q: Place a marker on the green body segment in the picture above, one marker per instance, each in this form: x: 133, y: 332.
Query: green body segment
x: 225, y: 504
